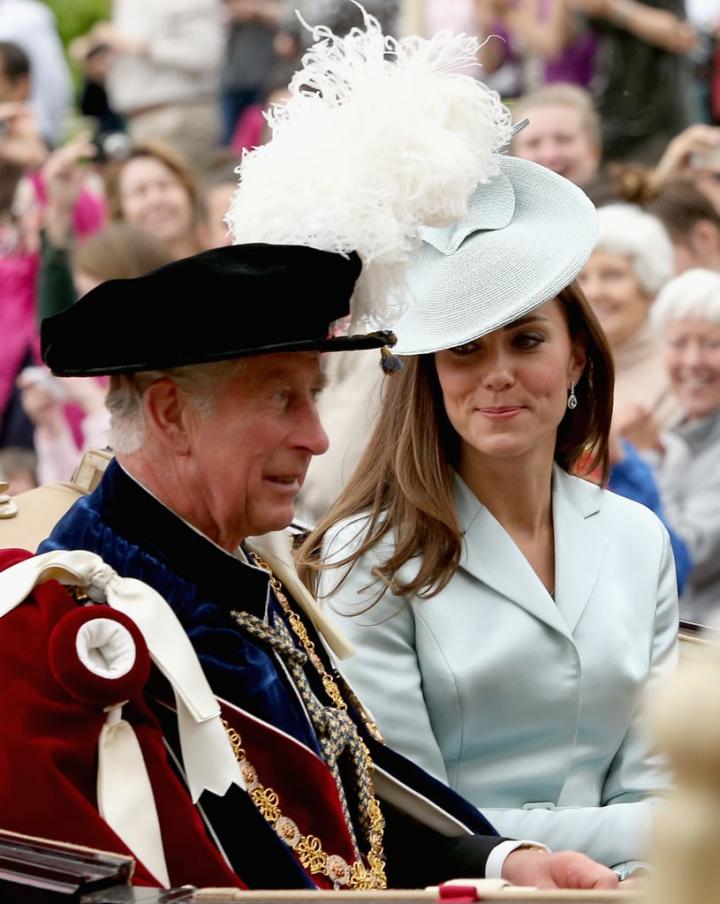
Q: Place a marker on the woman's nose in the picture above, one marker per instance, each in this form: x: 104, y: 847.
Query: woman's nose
x: 497, y: 372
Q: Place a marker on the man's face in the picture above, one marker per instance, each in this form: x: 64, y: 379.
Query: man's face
x: 250, y: 456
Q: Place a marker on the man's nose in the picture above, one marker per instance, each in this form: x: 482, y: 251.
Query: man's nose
x: 312, y: 435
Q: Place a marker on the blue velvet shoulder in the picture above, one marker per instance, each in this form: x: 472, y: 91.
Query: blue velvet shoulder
x: 140, y: 538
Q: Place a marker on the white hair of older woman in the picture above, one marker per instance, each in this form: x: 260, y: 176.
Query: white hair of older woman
x: 627, y: 230
x: 198, y: 382
x: 694, y: 295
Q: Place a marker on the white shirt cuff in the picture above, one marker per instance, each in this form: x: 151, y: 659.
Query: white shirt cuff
x: 498, y: 855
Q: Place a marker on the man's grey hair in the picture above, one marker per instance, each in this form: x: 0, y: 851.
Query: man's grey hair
x: 200, y: 383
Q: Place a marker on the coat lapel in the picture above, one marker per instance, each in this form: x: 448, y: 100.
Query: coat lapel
x: 579, y: 543
x: 276, y: 550
x: 492, y: 556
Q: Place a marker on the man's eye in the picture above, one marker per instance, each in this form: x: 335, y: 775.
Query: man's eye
x: 282, y: 395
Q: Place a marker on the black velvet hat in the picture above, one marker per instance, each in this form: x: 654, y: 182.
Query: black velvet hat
x: 221, y: 304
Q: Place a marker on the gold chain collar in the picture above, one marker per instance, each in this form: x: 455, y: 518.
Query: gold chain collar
x: 308, y: 848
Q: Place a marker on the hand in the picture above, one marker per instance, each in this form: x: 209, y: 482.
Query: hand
x: 565, y: 869
x: 40, y: 399
x: 673, y: 34
x: 593, y: 9
x: 615, y: 449
x: 64, y: 179
x: 636, y: 424
x: 697, y: 142
x: 286, y: 46
x: 21, y: 143
x: 86, y: 394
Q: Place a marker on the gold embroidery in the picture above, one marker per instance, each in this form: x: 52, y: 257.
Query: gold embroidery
x: 266, y: 800
x: 296, y: 623
x: 309, y: 848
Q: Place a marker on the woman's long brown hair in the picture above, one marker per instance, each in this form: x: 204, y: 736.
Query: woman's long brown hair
x: 404, y: 479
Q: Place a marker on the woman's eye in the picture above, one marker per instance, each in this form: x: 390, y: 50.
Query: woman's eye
x: 462, y: 351
x: 528, y: 340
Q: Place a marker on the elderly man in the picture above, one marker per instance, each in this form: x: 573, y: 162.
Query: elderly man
x: 214, y: 426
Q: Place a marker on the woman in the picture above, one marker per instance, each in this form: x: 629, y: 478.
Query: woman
x: 631, y: 262
x: 687, y: 314
x: 564, y: 131
x: 157, y: 190
x: 508, y: 616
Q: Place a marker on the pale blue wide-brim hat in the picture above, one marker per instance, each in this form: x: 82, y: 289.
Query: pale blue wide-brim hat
x: 527, y: 235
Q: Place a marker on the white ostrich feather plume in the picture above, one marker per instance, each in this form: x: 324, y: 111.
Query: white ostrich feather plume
x: 379, y: 137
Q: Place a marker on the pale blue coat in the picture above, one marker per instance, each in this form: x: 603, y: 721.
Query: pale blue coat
x: 529, y: 706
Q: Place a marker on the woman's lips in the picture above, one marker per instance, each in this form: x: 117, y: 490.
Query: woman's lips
x: 501, y: 414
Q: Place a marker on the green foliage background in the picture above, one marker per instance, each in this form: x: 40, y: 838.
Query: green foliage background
x: 75, y: 17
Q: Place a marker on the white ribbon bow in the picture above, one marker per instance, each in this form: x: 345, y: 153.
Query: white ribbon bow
x: 208, y: 758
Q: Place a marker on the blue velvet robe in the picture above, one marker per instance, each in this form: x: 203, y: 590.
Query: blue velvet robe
x: 141, y: 538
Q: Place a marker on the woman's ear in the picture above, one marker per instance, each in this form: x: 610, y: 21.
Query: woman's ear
x: 578, y: 360
x: 166, y: 415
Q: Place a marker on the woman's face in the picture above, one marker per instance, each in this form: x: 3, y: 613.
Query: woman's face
x: 615, y: 294
x: 556, y: 138
x: 692, y: 354
x: 506, y: 393
x: 152, y: 197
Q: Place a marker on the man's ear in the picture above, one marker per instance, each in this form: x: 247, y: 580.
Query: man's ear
x: 167, y: 415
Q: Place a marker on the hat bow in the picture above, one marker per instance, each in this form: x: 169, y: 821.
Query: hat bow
x: 491, y: 207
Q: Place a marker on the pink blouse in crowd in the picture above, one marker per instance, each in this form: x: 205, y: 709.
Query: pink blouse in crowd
x: 18, y: 285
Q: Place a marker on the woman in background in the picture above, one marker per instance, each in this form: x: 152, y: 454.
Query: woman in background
x: 155, y: 188
x: 687, y: 314
x: 632, y: 261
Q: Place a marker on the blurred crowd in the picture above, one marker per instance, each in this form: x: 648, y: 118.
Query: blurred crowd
x: 118, y: 155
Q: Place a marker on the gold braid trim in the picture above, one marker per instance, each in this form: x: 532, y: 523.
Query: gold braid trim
x: 309, y: 848
x: 298, y: 627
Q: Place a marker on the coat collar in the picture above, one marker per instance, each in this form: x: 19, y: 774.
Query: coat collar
x: 276, y: 550
x: 140, y: 517
x: 490, y: 555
